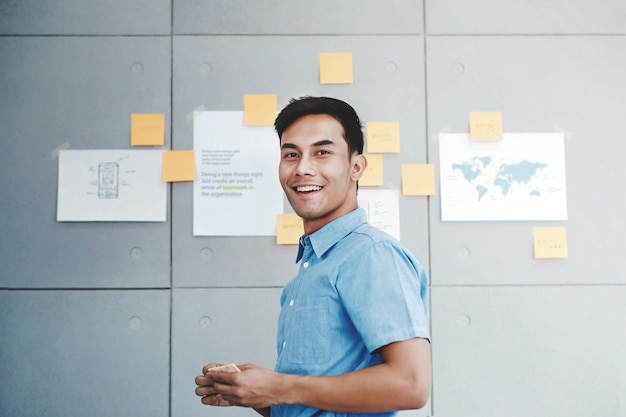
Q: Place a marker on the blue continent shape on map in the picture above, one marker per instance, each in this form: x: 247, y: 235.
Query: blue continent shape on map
x: 472, y: 168
x: 507, y: 174
x: 520, y: 172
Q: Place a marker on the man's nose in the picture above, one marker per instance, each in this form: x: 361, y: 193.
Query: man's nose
x: 305, y: 166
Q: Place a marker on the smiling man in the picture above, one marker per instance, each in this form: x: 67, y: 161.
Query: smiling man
x: 353, y: 332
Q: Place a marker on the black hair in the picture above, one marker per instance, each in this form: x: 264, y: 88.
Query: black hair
x: 339, y: 110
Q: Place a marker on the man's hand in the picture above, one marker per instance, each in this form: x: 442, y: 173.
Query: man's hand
x: 254, y: 386
x: 206, y: 388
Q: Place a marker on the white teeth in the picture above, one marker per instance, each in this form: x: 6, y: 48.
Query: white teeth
x: 307, y: 188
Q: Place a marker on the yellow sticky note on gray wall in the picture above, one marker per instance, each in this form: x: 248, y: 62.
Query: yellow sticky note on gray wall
x: 418, y: 179
x: 147, y: 130
x: 373, y: 174
x: 289, y: 228
x: 336, y: 68
x: 550, y: 242
x: 179, y: 166
x: 383, y: 137
x: 259, y: 109
x: 486, y: 125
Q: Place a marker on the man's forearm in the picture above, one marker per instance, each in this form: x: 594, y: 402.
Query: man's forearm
x: 402, y: 381
x: 368, y: 391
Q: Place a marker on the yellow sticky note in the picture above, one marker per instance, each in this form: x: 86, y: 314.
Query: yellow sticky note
x: 336, y: 68
x: 383, y: 137
x: 147, y: 130
x: 418, y: 179
x: 289, y: 228
x: 259, y: 109
x: 550, y: 242
x: 179, y: 166
x: 485, y: 125
x: 373, y: 174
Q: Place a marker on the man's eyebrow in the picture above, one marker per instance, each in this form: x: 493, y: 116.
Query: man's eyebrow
x: 319, y: 143
x: 323, y: 142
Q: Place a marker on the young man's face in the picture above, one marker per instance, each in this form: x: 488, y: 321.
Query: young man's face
x: 316, y: 173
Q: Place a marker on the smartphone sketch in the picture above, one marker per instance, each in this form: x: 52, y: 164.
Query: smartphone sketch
x: 108, y: 173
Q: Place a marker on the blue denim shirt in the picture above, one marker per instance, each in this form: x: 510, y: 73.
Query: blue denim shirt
x: 356, y: 291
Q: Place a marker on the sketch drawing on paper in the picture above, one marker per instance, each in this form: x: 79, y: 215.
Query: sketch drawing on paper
x: 108, y: 179
x: 109, y: 185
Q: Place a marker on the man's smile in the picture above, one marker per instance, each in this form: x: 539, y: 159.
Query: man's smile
x: 307, y: 188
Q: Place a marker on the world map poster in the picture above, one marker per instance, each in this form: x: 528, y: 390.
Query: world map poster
x: 521, y: 177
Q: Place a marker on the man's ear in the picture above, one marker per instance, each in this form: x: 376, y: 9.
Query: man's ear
x: 359, y: 163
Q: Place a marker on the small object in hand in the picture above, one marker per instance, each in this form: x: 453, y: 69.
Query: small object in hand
x: 230, y: 367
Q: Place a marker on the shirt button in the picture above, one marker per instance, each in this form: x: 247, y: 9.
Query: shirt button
x: 284, y: 343
x: 291, y: 303
x: 306, y: 265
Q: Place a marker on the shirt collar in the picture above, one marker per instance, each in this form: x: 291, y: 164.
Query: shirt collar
x: 333, y: 232
x: 301, y: 245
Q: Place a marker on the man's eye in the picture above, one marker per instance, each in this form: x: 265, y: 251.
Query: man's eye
x: 290, y: 155
x: 323, y: 152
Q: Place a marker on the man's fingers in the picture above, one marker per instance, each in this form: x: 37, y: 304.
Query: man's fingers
x: 205, y: 368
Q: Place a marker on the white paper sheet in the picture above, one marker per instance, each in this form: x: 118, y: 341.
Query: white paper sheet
x: 236, y: 192
x: 521, y: 177
x: 111, y: 185
x: 382, y: 208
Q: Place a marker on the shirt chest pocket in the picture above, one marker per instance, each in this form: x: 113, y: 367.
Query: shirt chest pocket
x: 308, y: 341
